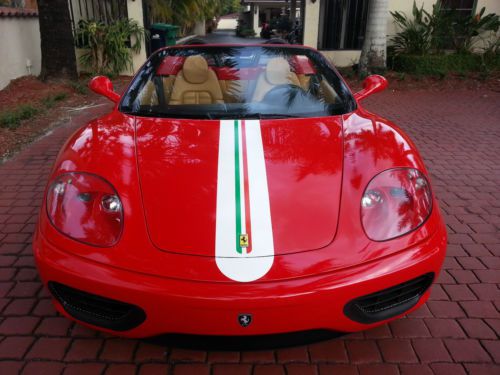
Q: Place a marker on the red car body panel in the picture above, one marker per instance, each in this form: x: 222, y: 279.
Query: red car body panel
x: 178, y: 170
x: 165, y: 172
x: 174, y: 306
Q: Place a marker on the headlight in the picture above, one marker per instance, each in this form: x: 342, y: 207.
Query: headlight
x: 394, y: 203
x: 86, y: 208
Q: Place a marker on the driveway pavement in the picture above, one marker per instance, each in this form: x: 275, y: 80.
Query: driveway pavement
x: 229, y: 37
x: 456, y: 332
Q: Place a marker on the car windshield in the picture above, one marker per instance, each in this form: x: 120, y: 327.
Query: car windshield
x: 214, y: 82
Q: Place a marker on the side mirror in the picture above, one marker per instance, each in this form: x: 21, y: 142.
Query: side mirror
x: 371, y: 85
x: 103, y: 86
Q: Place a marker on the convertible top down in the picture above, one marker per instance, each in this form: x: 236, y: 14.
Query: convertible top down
x: 238, y: 190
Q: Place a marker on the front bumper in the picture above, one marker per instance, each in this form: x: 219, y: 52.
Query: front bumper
x: 205, y: 308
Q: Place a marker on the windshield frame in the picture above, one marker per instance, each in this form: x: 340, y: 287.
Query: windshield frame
x: 349, y: 103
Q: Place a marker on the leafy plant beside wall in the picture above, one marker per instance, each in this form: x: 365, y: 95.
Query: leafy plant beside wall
x: 416, y: 31
x: 109, y: 47
x: 443, y: 29
x: 445, y: 41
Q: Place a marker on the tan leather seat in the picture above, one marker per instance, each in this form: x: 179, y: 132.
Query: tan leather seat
x: 149, y: 94
x: 233, y: 91
x: 277, y: 73
x: 196, y: 84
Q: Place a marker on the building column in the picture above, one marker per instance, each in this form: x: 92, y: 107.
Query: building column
x: 199, y: 28
x: 255, y: 17
x: 134, y: 10
x: 311, y: 23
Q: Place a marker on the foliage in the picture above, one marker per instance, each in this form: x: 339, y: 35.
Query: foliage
x: 441, y: 65
x: 415, y: 35
x: 185, y: 13
x: 461, y: 32
x: 79, y: 87
x: 441, y: 29
x: 12, y: 119
x: 230, y: 6
x: 247, y: 33
x: 109, y: 47
x: 12, y: 3
x: 51, y: 100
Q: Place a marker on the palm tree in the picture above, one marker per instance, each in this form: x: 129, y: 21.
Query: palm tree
x: 373, y: 54
x: 57, y: 45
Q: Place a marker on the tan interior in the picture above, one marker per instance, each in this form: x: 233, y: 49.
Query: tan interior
x: 196, y: 84
x: 327, y: 92
x: 149, y: 95
x: 277, y: 73
x: 234, y: 91
x: 304, y: 80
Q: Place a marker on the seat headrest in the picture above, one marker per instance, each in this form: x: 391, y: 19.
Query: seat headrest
x: 278, y: 71
x: 195, y: 69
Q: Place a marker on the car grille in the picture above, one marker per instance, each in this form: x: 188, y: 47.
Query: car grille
x: 389, y: 302
x: 97, y: 310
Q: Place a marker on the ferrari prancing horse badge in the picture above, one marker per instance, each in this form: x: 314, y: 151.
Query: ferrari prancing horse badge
x: 244, y: 240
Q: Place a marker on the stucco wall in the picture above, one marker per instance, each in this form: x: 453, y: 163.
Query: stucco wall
x: 348, y: 57
x: 19, y: 41
x: 492, y: 6
x: 311, y: 23
x: 343, y: 58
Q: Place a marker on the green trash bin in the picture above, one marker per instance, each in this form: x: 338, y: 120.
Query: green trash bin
x: 163, y: 34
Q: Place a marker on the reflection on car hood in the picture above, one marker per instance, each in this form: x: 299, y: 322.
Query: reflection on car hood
x: 233, y: 187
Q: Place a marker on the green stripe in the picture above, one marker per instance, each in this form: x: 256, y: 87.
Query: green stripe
x: 237, y: 183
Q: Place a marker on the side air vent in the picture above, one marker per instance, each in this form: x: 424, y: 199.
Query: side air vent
x: 388, y: 302
x: 97, y: 310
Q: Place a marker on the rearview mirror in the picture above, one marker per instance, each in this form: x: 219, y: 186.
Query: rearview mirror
x: 103, y: 86
x: 371, y: 85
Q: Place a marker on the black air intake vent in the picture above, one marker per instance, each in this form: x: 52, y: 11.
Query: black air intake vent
x: 388, y: 302
x: 97, y: 310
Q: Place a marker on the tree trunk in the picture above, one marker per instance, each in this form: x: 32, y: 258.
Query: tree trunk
x: 58, y: 48
x: 373, y: 55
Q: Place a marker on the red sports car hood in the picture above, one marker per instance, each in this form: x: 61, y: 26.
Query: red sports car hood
x: 231, y: 188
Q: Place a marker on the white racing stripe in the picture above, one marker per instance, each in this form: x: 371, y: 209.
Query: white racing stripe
x: 243, y: 267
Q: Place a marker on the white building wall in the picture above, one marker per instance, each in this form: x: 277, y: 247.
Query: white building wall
x: 200, y: 28
x: 405, y: 7
x: 19, y: 42
x: 492, y: 6
x: 255, y: 14
x: 350, y: 57
x: 134, y: 9
x: 311, y: 23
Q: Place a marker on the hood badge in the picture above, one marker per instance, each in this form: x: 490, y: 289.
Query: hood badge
x: 244, y: 241
x: 245, y: 320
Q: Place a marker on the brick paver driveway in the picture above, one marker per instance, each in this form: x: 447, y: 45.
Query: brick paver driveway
x: 456, y: 332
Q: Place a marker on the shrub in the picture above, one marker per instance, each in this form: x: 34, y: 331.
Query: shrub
x: 415, y: 35
x: 12, y: 119
x: 247, y: 33
x: 441, y: 29
x: 51, y: 100
x: 109, y: 46
x: 452, y: 30
x: 442, y: 64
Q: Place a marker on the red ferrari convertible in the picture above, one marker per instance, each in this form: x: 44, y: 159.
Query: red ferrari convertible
x: 238, y: 190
